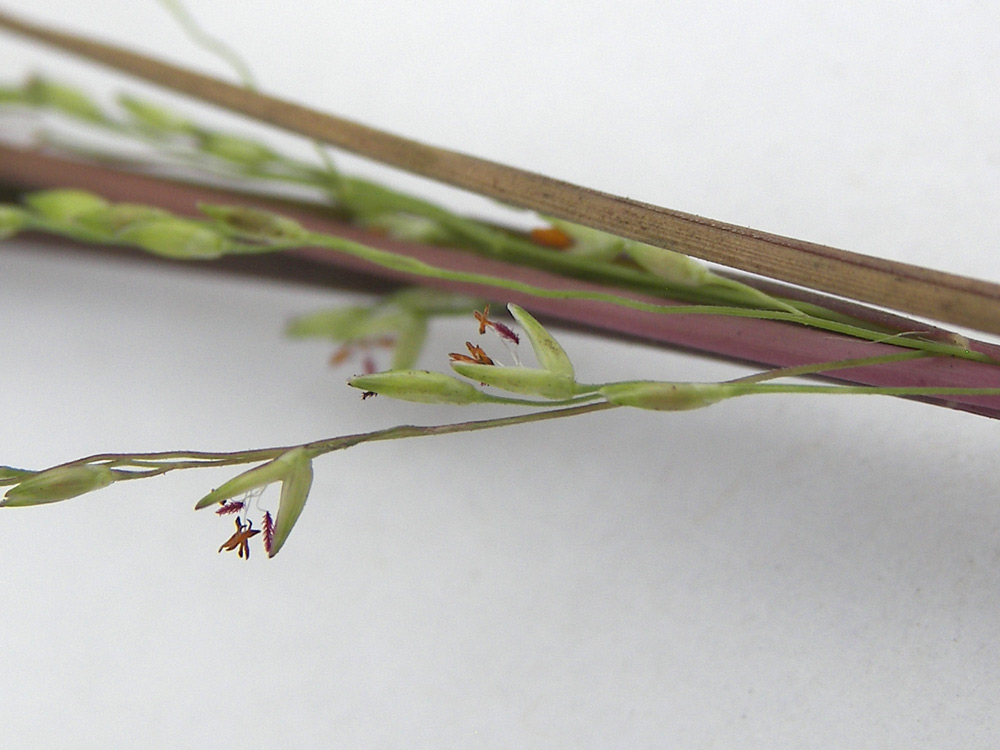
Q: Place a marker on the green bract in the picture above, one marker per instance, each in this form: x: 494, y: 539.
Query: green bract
x: 338, y: 324
x: 112, y: 219
x: 399, y: 318
x: 410, y: 335
x: 152, y: 117
x: 294, y: 492
x: 590, y: 243
x: 59, y: 483
x: 407, y: 227
x: 429, y: 301
x: 64, y: 205
x: 672, y: 267
x: 527, y: 381
x: 255, y: 224
x: 275, y: 470
x: 65, y: 98
x: 12, y: 221
x: 235, y: 149
x: 650, y: 394
x: 12, y: 475
x: 180, y: 239
x: 365, y: 325
x: 548, y: 352
x: 13, y: 95
x: 422, y: 386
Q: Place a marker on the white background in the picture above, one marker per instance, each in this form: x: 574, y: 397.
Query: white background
x: 784, y: 573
